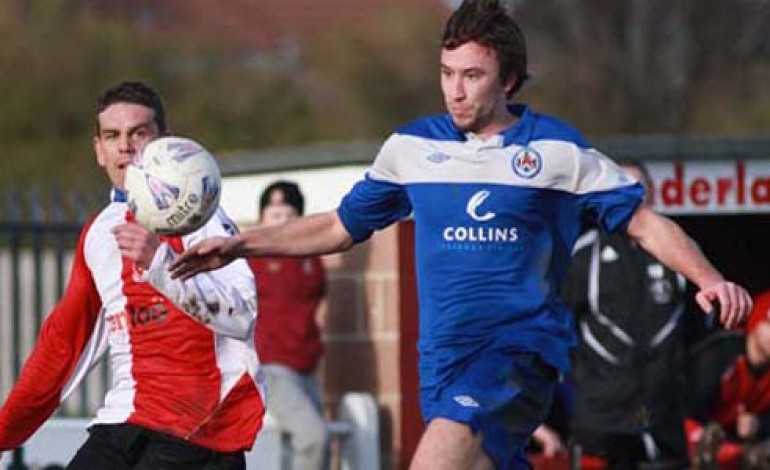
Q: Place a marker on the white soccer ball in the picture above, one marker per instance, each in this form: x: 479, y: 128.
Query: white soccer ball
x: 173, y: 186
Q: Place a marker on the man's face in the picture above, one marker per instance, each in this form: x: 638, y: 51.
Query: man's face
x: 473, y: 92
x: 124, y: 130
x: 277, y: 213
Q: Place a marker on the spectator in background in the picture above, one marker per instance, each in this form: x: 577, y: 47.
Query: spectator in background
x: 731, y: 396
x: 628, y: 389
x: 287, y: 335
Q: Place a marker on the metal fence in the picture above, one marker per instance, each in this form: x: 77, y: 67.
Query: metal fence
x: 38, y: 234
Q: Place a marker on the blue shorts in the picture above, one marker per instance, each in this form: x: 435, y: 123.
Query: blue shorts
x: 504, y: 395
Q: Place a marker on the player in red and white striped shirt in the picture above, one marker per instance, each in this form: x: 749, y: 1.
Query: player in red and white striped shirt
x: 186, y: 390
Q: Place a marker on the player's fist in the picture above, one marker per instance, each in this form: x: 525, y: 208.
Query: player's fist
x: 731, y: 302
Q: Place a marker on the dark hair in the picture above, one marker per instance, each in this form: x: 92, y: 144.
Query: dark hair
x: 136, y: 93
x: 489, y: 24
x: 290, y: 193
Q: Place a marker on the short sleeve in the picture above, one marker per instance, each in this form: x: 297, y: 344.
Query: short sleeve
x: 378, y: 200
x: 609, y: 194
x: 372, y: 205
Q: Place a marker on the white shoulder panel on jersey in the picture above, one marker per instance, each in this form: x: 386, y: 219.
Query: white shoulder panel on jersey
x: 548, y: 164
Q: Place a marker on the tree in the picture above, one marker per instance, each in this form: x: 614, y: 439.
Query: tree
x: 643, y: 60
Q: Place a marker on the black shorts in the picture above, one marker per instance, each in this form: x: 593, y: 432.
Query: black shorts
x: 130, y: 447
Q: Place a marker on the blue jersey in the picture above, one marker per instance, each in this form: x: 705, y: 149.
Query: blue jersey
x: 495, y: 224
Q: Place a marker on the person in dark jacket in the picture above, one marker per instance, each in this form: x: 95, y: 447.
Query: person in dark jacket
x: 730, y: 400
x: 628, y: 308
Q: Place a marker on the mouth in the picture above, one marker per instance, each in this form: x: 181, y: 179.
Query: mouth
x: 460, y: 113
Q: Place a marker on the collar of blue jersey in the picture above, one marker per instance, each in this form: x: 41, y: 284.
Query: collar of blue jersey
x: 520, y: 132
x: 118, y: 195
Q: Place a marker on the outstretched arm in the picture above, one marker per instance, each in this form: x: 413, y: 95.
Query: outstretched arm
x: 665, y: 240
x: 223, y: 300
x: 310, y: 235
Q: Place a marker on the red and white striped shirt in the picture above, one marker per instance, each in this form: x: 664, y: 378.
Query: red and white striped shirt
x: 182, y: 353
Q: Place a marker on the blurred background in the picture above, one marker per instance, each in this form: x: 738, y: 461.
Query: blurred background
x: 247, y: 74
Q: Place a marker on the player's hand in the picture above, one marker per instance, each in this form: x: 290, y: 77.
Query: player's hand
x: 136, y: 243
x: 208, y: 254
x: 549, y: 441
x: 734, y: 303
x: 747, y: 424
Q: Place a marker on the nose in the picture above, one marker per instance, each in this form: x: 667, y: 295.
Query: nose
x: 458, y: 89
x: 127, y: 144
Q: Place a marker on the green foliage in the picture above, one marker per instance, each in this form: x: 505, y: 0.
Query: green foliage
x: 374, y: 76
x: 360, y: 80
x: 55, y: 61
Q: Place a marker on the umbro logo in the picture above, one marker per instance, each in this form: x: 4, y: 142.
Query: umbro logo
x: 466, y: 401
x: 438, y: 157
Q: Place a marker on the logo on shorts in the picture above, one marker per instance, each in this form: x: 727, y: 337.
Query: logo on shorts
x: 527, y: 163
x: 466, y: 401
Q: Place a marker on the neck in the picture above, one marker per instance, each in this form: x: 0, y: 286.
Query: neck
x: 501, y: 120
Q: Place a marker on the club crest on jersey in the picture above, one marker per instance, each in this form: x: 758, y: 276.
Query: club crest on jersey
x: 527, y: 163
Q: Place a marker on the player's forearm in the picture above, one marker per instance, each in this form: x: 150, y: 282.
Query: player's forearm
x: 223, y: 308
x: 223, y: 300
x: 666, y: 240
x: 315, y: 234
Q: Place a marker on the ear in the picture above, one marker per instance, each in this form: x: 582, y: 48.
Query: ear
x: 510, y: 83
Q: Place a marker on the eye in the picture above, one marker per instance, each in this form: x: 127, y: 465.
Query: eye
x: 141, y: 134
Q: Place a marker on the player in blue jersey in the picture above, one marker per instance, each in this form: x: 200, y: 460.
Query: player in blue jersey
x: 497, y: 192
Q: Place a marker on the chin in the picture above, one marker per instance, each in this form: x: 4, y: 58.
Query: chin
x: 463, y: 124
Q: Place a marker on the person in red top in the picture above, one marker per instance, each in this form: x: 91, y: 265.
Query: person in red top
x: 186, y: 392
x: 734, y: 398
x: 287, y: 335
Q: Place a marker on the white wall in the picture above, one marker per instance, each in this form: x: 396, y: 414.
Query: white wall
x: 323, y: 189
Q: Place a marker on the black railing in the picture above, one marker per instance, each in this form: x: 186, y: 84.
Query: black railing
x: 38, y: 234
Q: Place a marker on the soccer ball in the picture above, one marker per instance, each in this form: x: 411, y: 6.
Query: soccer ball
x: 173, y: 186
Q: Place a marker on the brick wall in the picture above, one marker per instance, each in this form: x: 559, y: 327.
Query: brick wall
x: 360, y: 322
